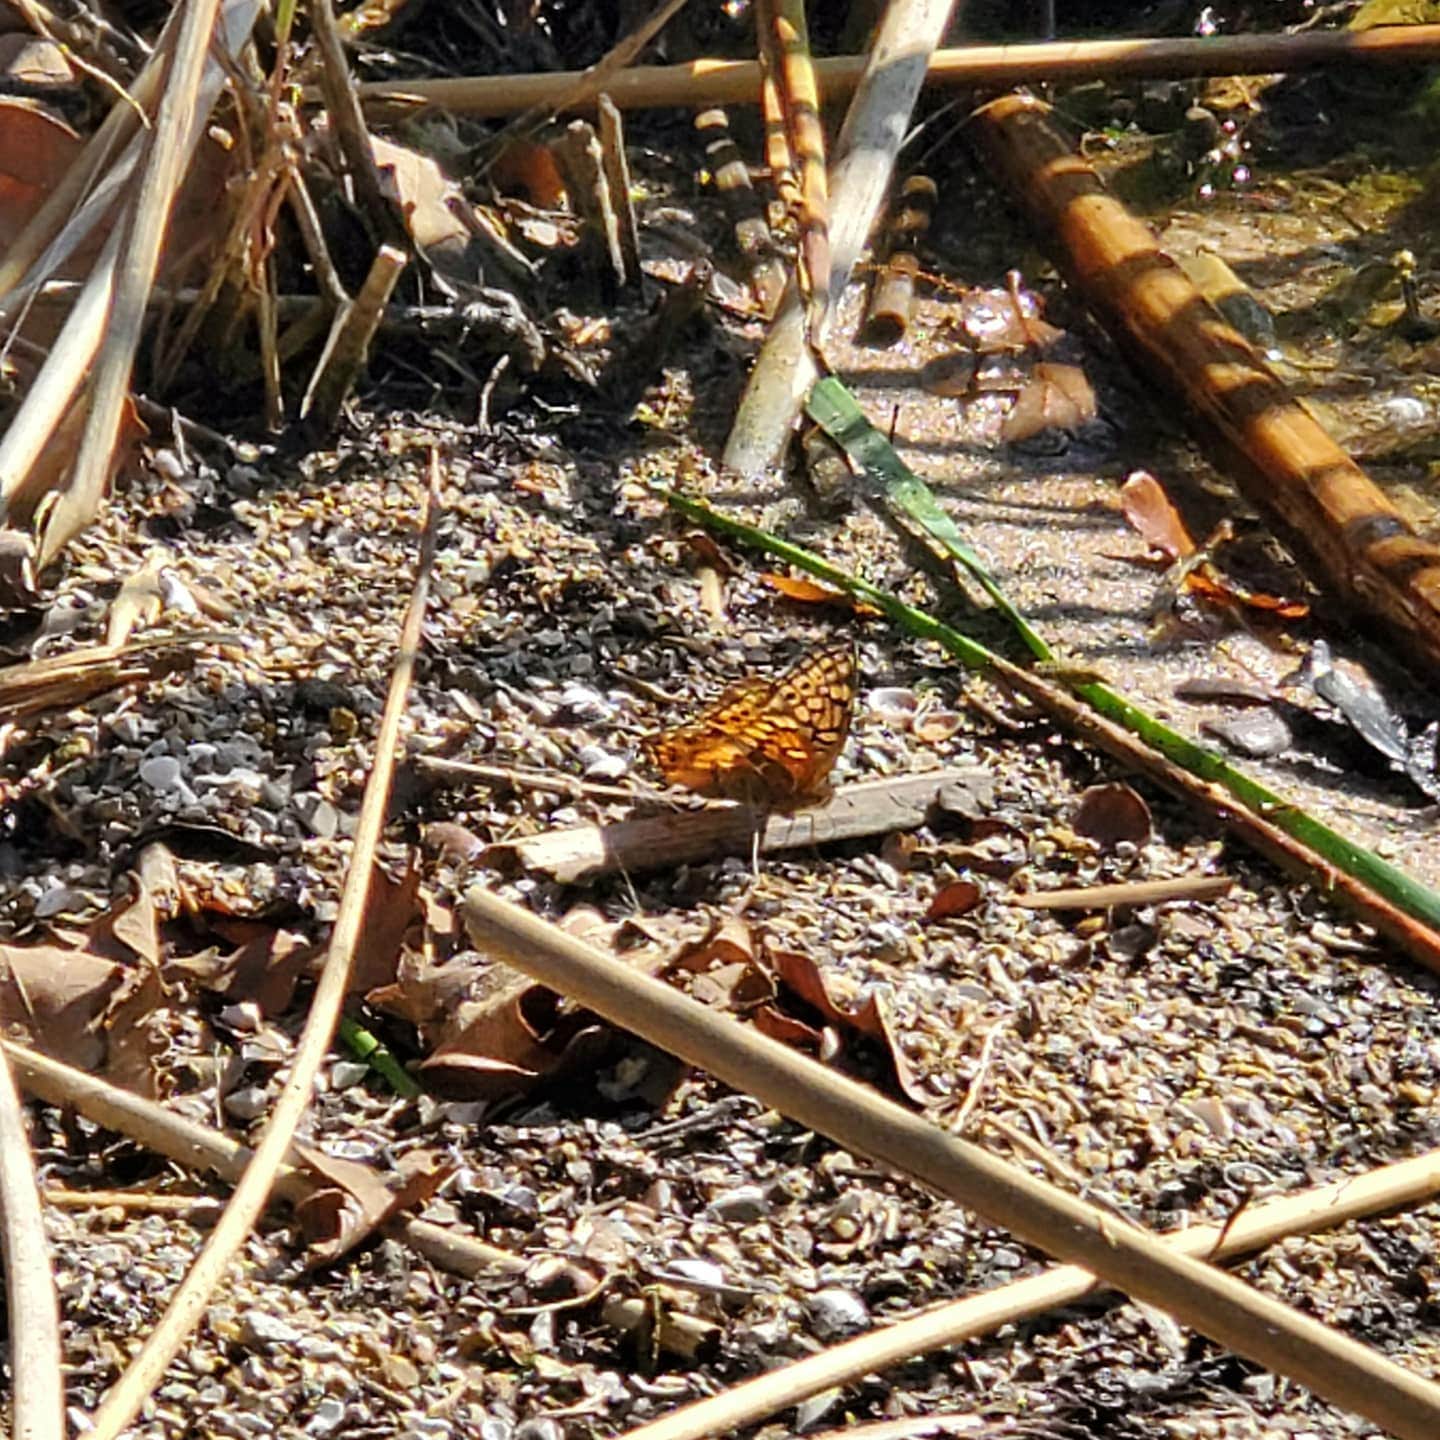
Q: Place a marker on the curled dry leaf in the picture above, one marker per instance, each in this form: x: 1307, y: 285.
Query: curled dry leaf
x: 264, y: 963
x: 508, y: 1033
x: 1109, y: 814
x: 94, y: 998
x: 354, y: 1201
x: 959, y: 897
x: 1156, y: 520
x: 53, y: 995
x: 1150, y: 513
x: 807, y: 592
x: 392, y: 908
x: 527, y: 168
x: 140, y: 601
x: 1057, y: 397
x: 501, y: 1045
x: 800, y: 974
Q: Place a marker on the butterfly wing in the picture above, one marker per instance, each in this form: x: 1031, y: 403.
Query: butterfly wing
x: 767, y: 738
x: 809, y: 716
x: 708, y: 751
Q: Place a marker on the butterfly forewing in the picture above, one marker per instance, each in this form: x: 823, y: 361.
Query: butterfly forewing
x: 779, y: 737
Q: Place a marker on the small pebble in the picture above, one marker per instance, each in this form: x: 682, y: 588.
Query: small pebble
x: 835, y: 1313
x: 320, y: 816
x: 1258, y: 734
x: 259, y: 1329
x: 162, y: 773
x: 742, y: 1204
x: 247, y: 1104
x: 329, y: 1416
x: 346, y: 1073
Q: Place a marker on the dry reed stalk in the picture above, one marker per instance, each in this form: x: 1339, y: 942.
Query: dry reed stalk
x: 352, y: 331
x: 1335, y: 1367
x: 865, y: 161
x: 34, y: 1311
x: 188, y: 1304
x: 737, y: 82
x: 1358, y: 545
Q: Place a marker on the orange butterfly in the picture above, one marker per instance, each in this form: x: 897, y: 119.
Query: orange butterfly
x: 774, y: 739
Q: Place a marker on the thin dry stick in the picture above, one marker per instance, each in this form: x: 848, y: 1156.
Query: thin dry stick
x: 142, y: 1202
x: 865, y: 160
x: 542, y: 781
x: 1126, y: 1257
x: 1390, y: 1187
x: 34, y: 1311
x: 736, y: 82
x: 800, y: 98
x: 778, y: 159
x: 198, y: 1147
x: 115, y: 130
x: 144, y: 232
x: 348, y: 345
x: 188, y: 1304
x: 1138, y: 892
x: 580, y: 89
x: 343, y: 107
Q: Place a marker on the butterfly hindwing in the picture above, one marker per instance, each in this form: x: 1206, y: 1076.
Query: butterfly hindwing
x: 777, y: 736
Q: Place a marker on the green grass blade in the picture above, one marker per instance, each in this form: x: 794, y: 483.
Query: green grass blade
x: 832, y: 407
x: 1392, y: 884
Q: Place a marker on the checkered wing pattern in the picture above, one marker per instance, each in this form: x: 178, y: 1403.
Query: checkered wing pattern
x: 775, y: 739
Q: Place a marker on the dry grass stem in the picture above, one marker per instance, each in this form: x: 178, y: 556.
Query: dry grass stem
x: 864, y: 163
x: 1255, y: 1325
x: 178, y: 127
x: 342, y: 106
x: 34, y: 1312
x: 1139, y: 892
x: 737, y: 82
x: 251, y: 1195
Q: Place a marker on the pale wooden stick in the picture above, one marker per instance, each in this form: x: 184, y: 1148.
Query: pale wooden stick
x: 1335, y: 1367
x: 139, y: 1201
x: 144, y: 232
x: 34, y: 1311
x: 1139, y: 892
x: 252, y: 1194
x: 351, y: 332
x: 865, y: 155
x: 198, y: 1147
x: 736, y: 82
x: 1390, y: 1187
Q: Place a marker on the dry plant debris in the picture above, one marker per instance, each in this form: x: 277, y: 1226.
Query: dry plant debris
x: 177, y: 811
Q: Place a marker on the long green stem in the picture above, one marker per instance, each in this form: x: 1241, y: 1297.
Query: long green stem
x: 1390, y: 883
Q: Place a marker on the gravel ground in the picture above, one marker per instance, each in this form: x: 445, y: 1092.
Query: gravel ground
x: 1174, y: 1059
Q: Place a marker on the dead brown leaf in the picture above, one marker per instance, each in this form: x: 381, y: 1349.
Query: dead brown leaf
x: 1109, y: 814
x: 264, y: 964
x: 1056, y: 397
x: 871, y: 1018
x: 355, y: 1201
x: 1150, y: 513
x: 959, y: 897
x: 55, y: 994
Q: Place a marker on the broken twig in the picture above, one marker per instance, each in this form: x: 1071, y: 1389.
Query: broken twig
x: 1258, y: 1326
